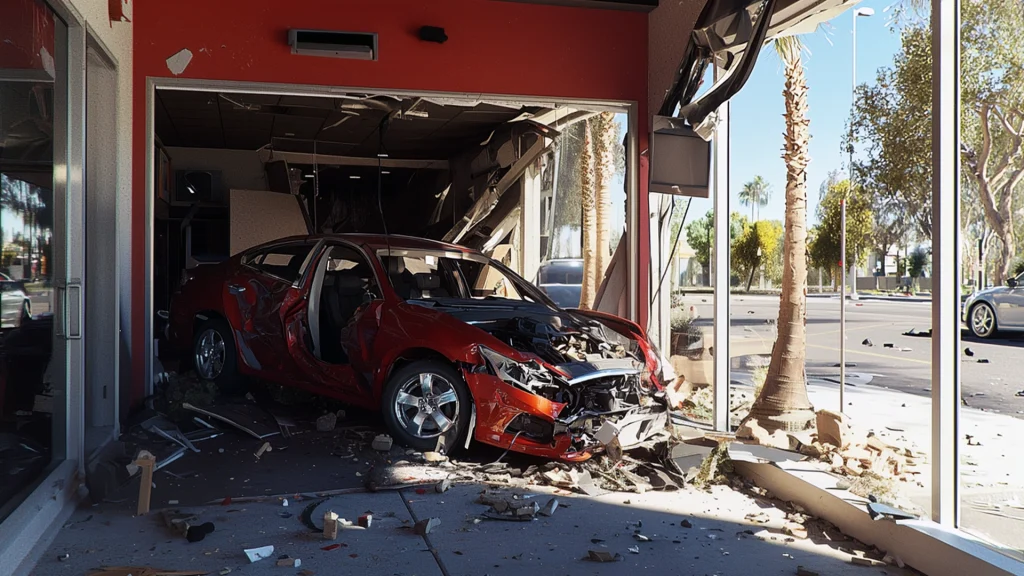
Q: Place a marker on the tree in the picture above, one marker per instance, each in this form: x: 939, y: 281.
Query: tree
x: 992, y: 113
x: 825, y: 251
x: 604, y: 172
x: 755, y: 194
x: 894, y: 119
x: 700, y: 235
x: 759, y: 246
x: 783, y: 401
x: 888, y: 227
x: 589, y: 205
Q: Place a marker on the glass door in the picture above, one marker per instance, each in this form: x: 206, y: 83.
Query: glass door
x: 34, y: 179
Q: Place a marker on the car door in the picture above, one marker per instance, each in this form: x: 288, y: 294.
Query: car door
x: 330, y: 342
x: 10, y: 304
x: 1010, y: 306
x: 257, y: 295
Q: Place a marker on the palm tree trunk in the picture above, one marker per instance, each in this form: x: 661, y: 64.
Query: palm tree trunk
x: 604, y: 172
x: 589, y: 206
x: 783, y: 402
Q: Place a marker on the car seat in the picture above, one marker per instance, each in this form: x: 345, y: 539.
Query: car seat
x: 428, y: 286
x: 343, y: 293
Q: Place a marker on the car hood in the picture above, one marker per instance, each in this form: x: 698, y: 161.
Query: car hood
x: 576, y: 343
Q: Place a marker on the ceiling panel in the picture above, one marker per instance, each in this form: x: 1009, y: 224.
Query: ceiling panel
x: 296, y: 127
x: 246, y: 139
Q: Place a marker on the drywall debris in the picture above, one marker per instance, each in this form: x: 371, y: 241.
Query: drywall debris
x: 426, y: 526
x: 833, y: 428
x: 602, y: 556
x: 443, y: 486
x: 257, y: 554
x: 177, y: 63
x: 330, y: 526
x: 289, y: 562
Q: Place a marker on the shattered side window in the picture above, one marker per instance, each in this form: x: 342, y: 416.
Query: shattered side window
x: 284, y: 262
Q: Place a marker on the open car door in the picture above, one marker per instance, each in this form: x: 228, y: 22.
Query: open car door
x: 331, y: 332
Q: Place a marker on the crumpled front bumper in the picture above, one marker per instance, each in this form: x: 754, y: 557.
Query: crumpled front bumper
x: 500, y: 407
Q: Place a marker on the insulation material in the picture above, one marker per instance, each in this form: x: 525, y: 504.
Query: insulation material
x: 259, y: 216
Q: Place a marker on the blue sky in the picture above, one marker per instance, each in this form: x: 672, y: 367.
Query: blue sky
x: 757, y: 123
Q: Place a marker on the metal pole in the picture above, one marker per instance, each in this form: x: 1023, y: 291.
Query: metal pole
x: 853, y: 104
x: 842, y: 308
x: 721, y: 260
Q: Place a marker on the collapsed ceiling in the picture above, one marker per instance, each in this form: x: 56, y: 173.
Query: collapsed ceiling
x: 341, y: 125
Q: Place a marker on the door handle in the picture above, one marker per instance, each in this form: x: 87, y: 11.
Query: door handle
x: 235, y: 289
x: 75, y: 310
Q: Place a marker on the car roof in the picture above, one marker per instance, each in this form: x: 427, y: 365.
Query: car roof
x: 380, y: 241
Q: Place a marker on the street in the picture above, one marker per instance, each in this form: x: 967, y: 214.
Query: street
x: 905, y: 367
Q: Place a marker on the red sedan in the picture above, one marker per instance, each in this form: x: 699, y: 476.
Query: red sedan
x: 440, y: 338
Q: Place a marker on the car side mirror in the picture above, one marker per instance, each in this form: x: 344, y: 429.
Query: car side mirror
x: 1011, y: 282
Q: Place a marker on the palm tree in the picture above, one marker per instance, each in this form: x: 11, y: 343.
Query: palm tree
x: 783, y: 402
x: 755, y: 194
x: 604, y: 173
x: 589, y: 205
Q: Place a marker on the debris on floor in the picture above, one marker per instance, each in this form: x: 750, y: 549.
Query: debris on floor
x: 382, y: 443
x: 426, y: 526
x: 257, y: 554
x: 143, y: 571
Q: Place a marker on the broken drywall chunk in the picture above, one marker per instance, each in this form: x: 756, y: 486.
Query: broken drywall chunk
x: 833, y: 428
x: 752, y: 430
x: 550, y: 507
x: 257, y: 554
x: 326, y: 422
x: 424, y: 527
x: 177, y: 63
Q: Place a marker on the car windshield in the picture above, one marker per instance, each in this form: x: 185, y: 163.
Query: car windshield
x: 437, y: 274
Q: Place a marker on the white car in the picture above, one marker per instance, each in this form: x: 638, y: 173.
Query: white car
x: 15, y: 306
x: 996, y: 309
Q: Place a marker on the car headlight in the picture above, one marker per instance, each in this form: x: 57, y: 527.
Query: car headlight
x: 512, y: 372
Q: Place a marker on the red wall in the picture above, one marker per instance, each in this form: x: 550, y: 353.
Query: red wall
x: 493, y: 47
x: 28, y: 27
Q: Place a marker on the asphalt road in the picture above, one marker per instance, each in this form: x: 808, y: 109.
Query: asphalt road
x: 906, y: 366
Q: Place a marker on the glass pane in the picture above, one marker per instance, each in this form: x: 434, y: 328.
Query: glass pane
x: 992, y: 254
x: 794, y: 360
x: 587, y: 165
x: 32, y: 112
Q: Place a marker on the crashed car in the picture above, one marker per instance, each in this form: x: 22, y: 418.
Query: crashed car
x: 449, y: 344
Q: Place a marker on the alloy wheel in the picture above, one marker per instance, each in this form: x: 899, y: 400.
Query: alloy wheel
x: 210, y: 354
x: 982, y: 320
x: 426, y: 405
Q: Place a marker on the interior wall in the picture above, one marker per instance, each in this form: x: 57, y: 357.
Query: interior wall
x: 560, y: 52
x: 240, y: 169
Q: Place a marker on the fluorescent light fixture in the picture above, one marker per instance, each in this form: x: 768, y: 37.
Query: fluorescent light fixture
x: 382, y: 155
x: 385, y: 172
x: 354, y: 177
x: 309, y: 175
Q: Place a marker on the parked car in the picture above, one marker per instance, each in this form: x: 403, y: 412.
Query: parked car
x: 15, y: 306
x: 996, y: 309
x: 562, y: 280
x: 445, y: 341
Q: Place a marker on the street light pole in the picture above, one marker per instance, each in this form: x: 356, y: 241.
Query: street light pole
x: 857, y: 12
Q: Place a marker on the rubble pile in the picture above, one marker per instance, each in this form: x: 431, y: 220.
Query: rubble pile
x: 873, y: 464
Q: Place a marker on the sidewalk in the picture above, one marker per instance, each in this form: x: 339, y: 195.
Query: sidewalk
x: 718, y: 540
x: 992, y: 472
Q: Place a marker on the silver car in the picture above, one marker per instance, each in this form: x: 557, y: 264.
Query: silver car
x: 15, y: 306
x: 1000, y: 308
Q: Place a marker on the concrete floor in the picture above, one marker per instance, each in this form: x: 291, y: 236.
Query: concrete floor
x: 717, y: 543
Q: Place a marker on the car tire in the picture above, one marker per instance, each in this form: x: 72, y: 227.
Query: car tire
x: 214, y: 356
x: 982, y: 321
x: 405, y: 410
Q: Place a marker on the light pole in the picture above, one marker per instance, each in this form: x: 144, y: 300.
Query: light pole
x: 857, y: 12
